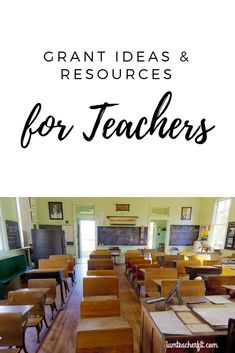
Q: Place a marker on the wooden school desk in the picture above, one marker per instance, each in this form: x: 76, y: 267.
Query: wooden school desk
x: 21, y: 309
x: 195, y: 271
x: 154, y: 341
x: 56, y: 273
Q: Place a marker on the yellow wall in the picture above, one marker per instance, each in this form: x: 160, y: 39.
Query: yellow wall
x: 202, y: 210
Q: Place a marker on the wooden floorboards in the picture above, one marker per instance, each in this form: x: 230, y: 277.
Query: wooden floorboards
x: 61, y: 336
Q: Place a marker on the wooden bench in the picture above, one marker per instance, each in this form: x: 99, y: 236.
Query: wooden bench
x: 100, y: 306
x: 104, y: 335
x: 11, y: 268
x: 100, y: 264
x: 100, y: 285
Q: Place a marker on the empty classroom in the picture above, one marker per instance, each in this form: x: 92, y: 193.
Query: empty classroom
x: 117, y: 274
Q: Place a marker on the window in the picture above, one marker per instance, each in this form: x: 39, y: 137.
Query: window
x: 2, y: 243
x: 20, y: 221
x: 219, y: 223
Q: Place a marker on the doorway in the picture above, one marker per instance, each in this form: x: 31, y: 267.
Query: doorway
x: 158, y: 229
x: 86, y: 237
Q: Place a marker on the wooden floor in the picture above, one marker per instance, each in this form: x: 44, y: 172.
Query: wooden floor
x: 61, y: 336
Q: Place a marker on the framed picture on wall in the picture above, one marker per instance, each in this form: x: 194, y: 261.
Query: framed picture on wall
x: 34, y: 217
x: 186, y: 213
x: 55, y: 210
x: 32, y: 203
x: 123, y: 207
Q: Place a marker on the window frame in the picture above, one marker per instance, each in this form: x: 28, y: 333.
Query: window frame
x: 213, y: 242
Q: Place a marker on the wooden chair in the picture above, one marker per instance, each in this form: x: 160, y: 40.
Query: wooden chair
x: 100, y: 285
x: 131, y: 271
x: 46, y: 263
x: 180, y: 266
x: 230, y: 344
x: 214, y: 283
x: 210, y: 262
x: 100, y: 264
x: 12, y: 327
x: 101, y: 273
x: 51, y: 294
x: 188, y: 288
x: 131, y: 259
x: 140, y: 281
x: 37, y: 313
x: 157, y: 273
x: 71, y: 264
x: 100, y: 306
x: 133, y: 255
x: 103, y: 335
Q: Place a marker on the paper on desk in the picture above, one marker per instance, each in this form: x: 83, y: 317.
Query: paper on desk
x: 200, y: 328
x: 180, y: 308
x: 218, y: 299
x: 216, y: 315
x: 169, y: 323
x: 188, y: 318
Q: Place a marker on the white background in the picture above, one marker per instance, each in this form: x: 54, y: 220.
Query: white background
x: 202, y: 88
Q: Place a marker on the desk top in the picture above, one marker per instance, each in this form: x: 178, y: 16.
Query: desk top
x: 228, y: 286
x: 42, y: 290
x: 100, y: 298
x: 161, y: 307
x: 202, y: 267
x: 22, y: 309
x: 231, y: 266
x: 41, y: 270
x: 159, y: 281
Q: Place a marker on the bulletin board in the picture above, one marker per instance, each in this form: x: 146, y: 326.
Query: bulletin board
x: 230, y: 238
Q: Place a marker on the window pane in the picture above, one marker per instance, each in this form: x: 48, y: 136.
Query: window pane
x: 220, y: 223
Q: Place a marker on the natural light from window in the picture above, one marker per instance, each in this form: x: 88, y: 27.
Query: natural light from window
x: 219, y: 223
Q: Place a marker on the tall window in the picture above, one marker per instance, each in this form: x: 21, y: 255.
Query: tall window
x: 220, y: 223
x: 2, y: 247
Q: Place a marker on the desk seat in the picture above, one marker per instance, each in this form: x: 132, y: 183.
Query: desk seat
x: 104, y: 335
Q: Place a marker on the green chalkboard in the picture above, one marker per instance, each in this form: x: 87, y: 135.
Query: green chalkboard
x: 122, y: 235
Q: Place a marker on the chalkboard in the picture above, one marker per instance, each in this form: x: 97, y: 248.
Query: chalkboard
x: 183, y: 235
x: 122, y: 235
x: 230, y: 238
x: 13, y: 235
